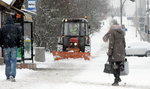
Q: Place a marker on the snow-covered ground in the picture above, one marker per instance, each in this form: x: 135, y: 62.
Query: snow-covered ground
x: 81, y: 74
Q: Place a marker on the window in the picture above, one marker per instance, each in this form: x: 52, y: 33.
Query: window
x: 71, y: 29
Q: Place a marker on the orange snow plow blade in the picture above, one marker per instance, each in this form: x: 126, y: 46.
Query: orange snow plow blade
x: 66, y: 55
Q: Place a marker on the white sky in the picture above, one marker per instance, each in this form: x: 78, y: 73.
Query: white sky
x: 128, y: 6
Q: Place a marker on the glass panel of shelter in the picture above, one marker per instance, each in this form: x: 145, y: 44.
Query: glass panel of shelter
x: 27, y: 40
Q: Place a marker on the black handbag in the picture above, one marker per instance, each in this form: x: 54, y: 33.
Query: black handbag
x: 108, y: 68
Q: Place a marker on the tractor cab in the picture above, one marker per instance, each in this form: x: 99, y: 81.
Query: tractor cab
x: 74, y: 37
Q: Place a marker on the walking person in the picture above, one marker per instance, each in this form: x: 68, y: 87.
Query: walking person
x: 116, y: 50
x: 10, y: 39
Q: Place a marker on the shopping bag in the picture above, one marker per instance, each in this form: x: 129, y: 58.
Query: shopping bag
x: 108, y: 68
x: 125, y: 70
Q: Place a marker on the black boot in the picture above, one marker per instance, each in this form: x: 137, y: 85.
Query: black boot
x: 119, y: 80
x: 115, y: 83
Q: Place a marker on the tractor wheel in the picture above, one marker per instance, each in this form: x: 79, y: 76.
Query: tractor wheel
x: 82, y: 49
x: 64, y: 48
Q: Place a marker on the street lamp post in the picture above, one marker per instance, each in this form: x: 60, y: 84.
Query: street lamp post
x: 148, y: 20
x: 121, y: 12
x: 121, y: 8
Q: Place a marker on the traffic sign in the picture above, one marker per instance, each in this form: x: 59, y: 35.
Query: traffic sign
x: 32, y: 5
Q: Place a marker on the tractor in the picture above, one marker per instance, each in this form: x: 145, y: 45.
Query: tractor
x: 74, y: 41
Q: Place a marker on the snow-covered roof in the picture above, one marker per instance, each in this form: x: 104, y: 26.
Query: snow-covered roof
x: 74, y: 20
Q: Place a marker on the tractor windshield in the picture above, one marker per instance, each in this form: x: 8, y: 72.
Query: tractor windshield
x: 71, y: 29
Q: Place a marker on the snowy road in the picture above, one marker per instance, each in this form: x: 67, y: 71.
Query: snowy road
x: 81, y: 74
x: 49, y: 74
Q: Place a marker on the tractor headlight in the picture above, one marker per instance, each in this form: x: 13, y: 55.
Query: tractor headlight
x: 66, y: 20
x: 71, y: 44
x: 75, y: 44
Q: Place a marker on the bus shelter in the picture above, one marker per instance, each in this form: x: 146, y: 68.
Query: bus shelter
x: 24, y: 21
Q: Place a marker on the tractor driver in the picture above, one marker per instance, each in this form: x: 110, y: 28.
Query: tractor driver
x: 74, y: 30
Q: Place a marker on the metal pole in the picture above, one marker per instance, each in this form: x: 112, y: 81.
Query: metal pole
x: 136, y: 20
x: 148, y: 19
x: 121, y: 7
x: 0, y: 19
x: 121, y: 12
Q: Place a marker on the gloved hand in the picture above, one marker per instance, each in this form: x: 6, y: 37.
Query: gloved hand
x: 109, y: 58
x: 109, y: 53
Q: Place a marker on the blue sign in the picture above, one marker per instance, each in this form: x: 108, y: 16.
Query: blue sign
x: 32, y: 5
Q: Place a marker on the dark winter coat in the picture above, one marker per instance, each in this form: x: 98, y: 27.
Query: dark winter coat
x: 10, y: 34
x: 116, y: 44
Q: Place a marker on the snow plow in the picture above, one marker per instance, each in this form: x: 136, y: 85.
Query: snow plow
x: 74, y: 41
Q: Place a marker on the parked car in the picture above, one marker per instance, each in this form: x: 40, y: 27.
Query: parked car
x: 141, y: 48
